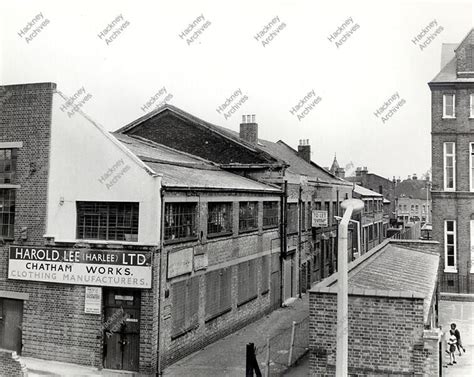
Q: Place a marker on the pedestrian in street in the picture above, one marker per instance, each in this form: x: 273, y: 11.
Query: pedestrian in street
x: 457, y: 334
x: 452, y: 348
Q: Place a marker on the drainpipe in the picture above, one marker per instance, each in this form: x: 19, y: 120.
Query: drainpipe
x: 160, y: 276
x: 283, y: 242
x: 300, y: 229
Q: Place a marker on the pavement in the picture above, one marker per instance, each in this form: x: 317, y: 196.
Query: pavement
x: 226, y: 357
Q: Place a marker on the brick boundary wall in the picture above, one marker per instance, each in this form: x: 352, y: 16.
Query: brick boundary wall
x: 11, y: 364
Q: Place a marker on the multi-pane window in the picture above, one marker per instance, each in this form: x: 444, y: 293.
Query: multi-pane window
x: 185, y: 306
x: 450, y: 244
x: 471, y: 166
x: 218, y: 293
x: 292, y: 218
x: 219, y: 218
x: 247, y: 290
x: 270, y: 214
x: 449, y: 153
x: 7, y: 213
x: 449, y: 106
x: 180, y: 221
x: 248, y: 216
x: 114, y: 221
x: 8, y: 159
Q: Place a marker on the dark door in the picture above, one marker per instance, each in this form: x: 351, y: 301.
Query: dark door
x: 11, y: 317
x: 122, y: 329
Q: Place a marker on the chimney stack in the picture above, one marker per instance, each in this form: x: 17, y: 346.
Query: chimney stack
x: 249, y: 129
x: 341, y: 173
x: 414, y: 176
x: 304, y: 150
x: 364, y: 171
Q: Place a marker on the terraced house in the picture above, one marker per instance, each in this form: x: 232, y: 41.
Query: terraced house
x: 452, y: 130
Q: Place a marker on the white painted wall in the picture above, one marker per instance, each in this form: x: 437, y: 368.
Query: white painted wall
x: 81, y: 153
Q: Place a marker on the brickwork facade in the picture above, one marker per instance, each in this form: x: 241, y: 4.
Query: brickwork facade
x: 11, y: 365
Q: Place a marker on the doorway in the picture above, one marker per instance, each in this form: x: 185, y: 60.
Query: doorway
x: 11, y: 320
x: 121, y: 329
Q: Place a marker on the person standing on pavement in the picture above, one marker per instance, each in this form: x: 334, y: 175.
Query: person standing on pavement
x: 452, y: 348
x: 457, y: 334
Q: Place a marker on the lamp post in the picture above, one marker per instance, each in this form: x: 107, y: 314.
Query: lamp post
x: 350, y: 206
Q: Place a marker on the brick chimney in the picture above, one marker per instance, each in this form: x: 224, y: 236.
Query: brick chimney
x: 249, y: 129
x: 364, y: 171
x: 414, y: 176
x: 304, y: 150
x: 341, y: 173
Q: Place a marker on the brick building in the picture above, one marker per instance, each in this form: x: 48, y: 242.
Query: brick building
x: 308, y: 253
x: 413, y: 200
x: 392, y: 313
x: 452, y: 140
x: 118, y: 252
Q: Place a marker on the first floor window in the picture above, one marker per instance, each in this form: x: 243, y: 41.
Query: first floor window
x: 8, y: 158
x: 114, y: 221
x: 185, y: 306
x: 7, y: 213
x: 472, y: 246
x: 471, y: 166
x: 308, y: 216
x: 248, y: 216
x: 471, y: 104
x: 218, y: 293
x: 449, y: 156
x: 247, y: 290
x: 449, y: 106
x: 270, y: 214
x: 180, y: 221
x: 450, y: 245
x: 219, y: 218
x: 292, y: 221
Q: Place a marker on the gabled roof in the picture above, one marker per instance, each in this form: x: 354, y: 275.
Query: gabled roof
x: 182, y: 170
x: 412, y: 188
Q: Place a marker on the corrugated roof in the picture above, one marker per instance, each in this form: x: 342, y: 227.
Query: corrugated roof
x: 398, y: 268
x: 365, y: 191
x: 187, y: 177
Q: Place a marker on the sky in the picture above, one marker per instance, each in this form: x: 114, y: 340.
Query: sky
x: 272, y: 55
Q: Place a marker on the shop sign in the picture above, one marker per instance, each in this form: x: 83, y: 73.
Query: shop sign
x: 93, y: 300
x: 108, y: 268
x: 319, y: 218
x: 180, y: 262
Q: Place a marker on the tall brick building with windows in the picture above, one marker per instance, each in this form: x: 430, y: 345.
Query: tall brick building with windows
x: 452, y: 130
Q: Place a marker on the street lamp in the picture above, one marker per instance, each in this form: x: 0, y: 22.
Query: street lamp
x: 350, y: 206
x: 339, y: 218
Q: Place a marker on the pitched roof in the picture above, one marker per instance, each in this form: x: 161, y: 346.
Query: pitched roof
x: 396, y: 268
x: 362, y: 191
x: 182, y: 170
x: 412, y: 188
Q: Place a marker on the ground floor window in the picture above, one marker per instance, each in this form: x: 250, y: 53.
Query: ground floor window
x: 185, y: 306
x: 247, y: 281
x: 218, y: 292
x: 265, y: 273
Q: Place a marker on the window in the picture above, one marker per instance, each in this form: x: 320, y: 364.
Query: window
x: 185, y: 306
x: 472, y: 246
x: 218, y: 293
x: 450, y: 245
x: 7, y: 213
x: 265, y: 274
x: 180, y: 221
x: 219, y: 218
x: 416, y: 207
x: 247, y: 290
x: 376, y: 231
x: 270, y: 214
x: 326, y: 208
x: 317, y: 206
x: 449, y: 106
x: 400, y: 207
x: 8, y: 159
x: 292, y: 218
x: 248, y: 216
x: 449, y: 166
x: 423, y: 208
x: 366, y: 206
x: 114, y: 221
x: 309, y: 217
x: 471, y: 166
x: 404, y: 207
x: 471, y: 104
x: 334, y: 211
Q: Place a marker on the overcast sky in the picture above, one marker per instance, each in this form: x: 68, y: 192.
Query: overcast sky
x: 353, y: 80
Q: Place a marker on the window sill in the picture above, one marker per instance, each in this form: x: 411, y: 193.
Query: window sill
x: 265, y: 292
x: 184, y: 332
x: 247, y: 301
x: 215, y: 316
x: 243, y: 231
x: 448, y: 117
x: 451, y: 270
x: 265, y: 227
x: 180, y: 240
x: 217, y: 235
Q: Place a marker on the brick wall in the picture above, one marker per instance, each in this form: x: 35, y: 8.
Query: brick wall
x: 11, y: 365
x: 385, y: 336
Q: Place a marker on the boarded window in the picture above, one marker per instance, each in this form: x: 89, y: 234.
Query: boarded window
x: 185, y: 298
x: 265, y: 274
x: 247, y: 281
x: 270, y: 214
x: 218, y: 293
x: 219, y: 218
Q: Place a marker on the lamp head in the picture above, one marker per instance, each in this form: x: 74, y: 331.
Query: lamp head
x: 356, y: 204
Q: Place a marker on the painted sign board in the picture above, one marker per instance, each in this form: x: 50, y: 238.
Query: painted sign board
x: 319, y: 218
x: 93, y: 300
